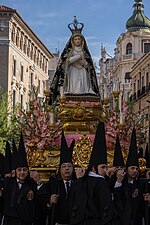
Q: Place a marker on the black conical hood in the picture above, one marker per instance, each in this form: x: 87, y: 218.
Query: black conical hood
x: 132, y: 159
x: 7, y: 159
x: 65, y: 153
x: 2, y: 158
x: 71, y: 147
x: 140, y: 152
x: 99, y: 151
x: 147, y: 157
x: 14, y: 154
x: 118, y: 157
x: 21, y: 159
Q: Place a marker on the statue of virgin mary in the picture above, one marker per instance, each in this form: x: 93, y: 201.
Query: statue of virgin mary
x: 75, y: 70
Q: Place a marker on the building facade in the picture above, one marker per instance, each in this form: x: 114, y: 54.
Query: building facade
x: 140, y: 75
x: 130, y: 47
x: 128, y: 72
x: 23, y: 58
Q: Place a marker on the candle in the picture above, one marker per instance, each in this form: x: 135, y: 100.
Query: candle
x: 105, y: 91
x: 121, y: 118
x: 61, y: 91
x: 120, y: 102
x: 117, y: 86
x: 126, y: 96
x: 51, y: 117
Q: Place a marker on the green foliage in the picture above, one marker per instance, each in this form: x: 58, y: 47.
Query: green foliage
x: 8, y: 123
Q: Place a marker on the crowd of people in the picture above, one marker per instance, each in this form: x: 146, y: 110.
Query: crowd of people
x: 97, y: 196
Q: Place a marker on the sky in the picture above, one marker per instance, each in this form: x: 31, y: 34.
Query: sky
x: 104, y: 21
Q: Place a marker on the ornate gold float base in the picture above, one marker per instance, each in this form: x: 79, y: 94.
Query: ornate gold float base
x: 79, y: 117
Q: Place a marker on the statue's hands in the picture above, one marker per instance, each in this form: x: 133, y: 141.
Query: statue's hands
x: 83, y: 62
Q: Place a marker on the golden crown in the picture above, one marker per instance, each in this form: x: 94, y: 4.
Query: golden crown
x: 75, y: 27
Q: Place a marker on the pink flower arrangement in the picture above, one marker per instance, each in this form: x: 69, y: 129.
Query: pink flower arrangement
x: 35, y: 124
x: 130, y: 120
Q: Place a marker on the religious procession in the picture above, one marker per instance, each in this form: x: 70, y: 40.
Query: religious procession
x: 77, y: 157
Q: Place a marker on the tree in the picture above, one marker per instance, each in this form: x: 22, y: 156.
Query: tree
x: 8, y: 123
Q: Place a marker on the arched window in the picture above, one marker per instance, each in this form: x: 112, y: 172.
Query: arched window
x: 25, y: 45
x: 21, y: 42
x: 13, y: 34
x: 28, y: 48
x: 18, y: 37
x: 129, y: 49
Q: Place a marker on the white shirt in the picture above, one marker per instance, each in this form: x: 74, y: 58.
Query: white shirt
x: 66, y: 185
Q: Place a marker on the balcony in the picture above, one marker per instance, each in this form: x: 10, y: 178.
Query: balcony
x: 127, y: 57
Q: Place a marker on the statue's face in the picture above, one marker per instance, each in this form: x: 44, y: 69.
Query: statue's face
x: 77, y: 40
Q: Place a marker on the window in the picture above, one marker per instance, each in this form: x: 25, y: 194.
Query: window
x: 25, y: 45
x: 147, y: 79
x: 138, y: 85
x: 13, y: 34
x: 22, y: 70
x: 127, y: 77
x: 21, y: 42
x: 146, y: 47
x: 14, y: 99
x: 17, y: 39
x: 31, y: 80
x: 14, y: 68
x: 134, y: 88
x: 142, y: 81
x: 129, y: 49
x: 21, y: 102
x: 39, y: 86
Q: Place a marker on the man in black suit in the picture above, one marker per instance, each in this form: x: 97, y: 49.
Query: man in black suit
x: 91, y: 200
x: 128, y: 194
x: 59, y: 188
x: 19, y: 192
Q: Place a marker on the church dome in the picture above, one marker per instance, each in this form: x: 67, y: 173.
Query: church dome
x: 138, y: 20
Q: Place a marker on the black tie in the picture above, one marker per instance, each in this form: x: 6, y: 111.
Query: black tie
x: 67, y: 186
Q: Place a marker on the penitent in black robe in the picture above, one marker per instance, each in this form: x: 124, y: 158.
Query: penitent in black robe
x: 91, y: 202
x: 59, y: 212
x: 19, y: 204
x: 128, y: 202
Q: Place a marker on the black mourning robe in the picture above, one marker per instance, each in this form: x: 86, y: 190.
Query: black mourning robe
x: 128, y: 202
x: 60, y: 210
x: 19, y: 204
x: 91, y: 202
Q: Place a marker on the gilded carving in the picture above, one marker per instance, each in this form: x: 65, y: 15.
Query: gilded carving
x: 82, y: 151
